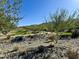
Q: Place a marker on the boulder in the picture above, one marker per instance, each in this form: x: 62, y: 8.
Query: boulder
x: 75, y: 33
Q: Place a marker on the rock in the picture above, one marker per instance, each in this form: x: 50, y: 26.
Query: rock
x: 17, y: 39
x: 75, y: 33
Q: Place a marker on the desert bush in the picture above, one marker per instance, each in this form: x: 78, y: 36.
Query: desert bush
x: 72, y: 54
x: 53, y: 37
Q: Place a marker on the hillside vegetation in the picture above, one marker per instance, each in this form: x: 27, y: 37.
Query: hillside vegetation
x: 59, y: 21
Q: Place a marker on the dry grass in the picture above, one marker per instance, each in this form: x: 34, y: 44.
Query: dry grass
x: 20, y: 48
x: 73, y: 54
x: 52, y: 38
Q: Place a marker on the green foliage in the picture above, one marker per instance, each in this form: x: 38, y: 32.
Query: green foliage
x: 62, y: 20
x: 21, y: 32
x: 9, y: 14
x: 59, y: 21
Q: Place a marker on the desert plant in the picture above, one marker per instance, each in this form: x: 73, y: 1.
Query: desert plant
x: 9, y: 14
x: 72, y: 54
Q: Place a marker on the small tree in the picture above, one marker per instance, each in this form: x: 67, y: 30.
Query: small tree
x: 9, y: 14
x: 62, y: 20
x: 58, y: 18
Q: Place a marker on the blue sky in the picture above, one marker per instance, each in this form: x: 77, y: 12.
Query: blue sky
x: 34, y: 11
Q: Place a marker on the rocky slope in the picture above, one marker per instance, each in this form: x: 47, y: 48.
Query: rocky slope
x: 35, y: 47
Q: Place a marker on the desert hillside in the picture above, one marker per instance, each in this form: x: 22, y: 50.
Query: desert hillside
x: 38, y: 46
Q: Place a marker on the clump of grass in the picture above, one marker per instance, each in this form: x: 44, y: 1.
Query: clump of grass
x: 20, y: 32
x: 52, y: 38
x: 72, y: 54
x: 20, y: 48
